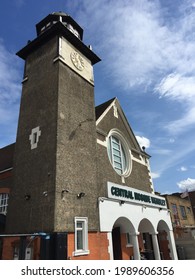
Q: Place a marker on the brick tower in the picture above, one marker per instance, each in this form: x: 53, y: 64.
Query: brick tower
x: 55, y: 154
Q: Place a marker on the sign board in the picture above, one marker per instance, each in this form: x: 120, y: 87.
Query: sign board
x: 124, y: 193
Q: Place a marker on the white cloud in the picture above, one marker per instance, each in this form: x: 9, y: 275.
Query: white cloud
x: 188, y: 184
x: 145, y: 47
x: 10, y: 91
x: 134, y: 37
x: 143, y: 141
x: 161, y: 151
x: 10, y: 87
x: 174, y: 158
x: 181, y: 89
x: 183, y: 169
x: 184, y: 123
x: 139, y: 40
x: 177, y: 87
x: 155, y: 175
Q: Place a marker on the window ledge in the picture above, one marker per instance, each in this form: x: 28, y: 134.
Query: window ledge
x: 81, y: 253
x: 129, y: 245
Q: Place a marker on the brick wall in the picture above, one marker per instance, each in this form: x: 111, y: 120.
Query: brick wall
x: 98, y: 246
x: 9, y: 243
x: 127, y: 252
x: 8, y: 248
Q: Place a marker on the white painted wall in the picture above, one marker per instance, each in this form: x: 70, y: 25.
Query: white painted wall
x: 110, y: 211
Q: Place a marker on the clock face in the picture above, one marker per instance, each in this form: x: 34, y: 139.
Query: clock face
x: 77, y: 60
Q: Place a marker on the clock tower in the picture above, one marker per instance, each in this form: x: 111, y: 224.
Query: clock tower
x: 55, y: 155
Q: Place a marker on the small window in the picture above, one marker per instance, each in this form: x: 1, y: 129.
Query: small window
x: 183, y: 212
x: 175, y: 216
x: 43, y: 28
x: 73, y: 30
x: 81, y: 236
x: 48, y: 24
x: 128, y: 240
x: 188, y: 210
x: 35, y: 138
x: 4, y: 203
x: 119, y: 154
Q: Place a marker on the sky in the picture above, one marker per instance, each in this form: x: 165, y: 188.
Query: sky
x: 147, y: 51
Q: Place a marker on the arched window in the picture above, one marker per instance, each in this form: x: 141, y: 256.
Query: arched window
x: 119, y: 153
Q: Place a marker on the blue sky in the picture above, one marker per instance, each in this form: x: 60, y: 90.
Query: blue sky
x: 148, y: 62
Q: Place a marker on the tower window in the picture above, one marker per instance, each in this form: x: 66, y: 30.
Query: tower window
x: 34, y: 137
x: 73, y: 30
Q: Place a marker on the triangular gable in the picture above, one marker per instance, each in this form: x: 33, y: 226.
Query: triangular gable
x: 103, y: 109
